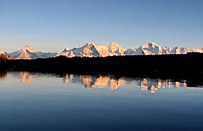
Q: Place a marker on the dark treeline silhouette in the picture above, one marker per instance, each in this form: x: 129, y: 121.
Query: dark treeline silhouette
x: 187, y: 66
x: 3, y: 60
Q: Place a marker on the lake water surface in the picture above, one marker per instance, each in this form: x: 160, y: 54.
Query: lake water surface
x: 35, y: 101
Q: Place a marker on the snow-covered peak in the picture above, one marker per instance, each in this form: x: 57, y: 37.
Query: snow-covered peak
x: 150, y: 45
x: 29, y: 53
x: 114, y: 44
x: 152, y: 49
x: 153, y: 44
x: 28, y: 48
x: 113, y: 47
x: 66, y: 49
x: 89, y: 44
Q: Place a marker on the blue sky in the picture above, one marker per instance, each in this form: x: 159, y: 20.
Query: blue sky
x: 51, y: 25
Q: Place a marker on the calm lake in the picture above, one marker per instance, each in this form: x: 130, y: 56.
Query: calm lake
x: 35, y: 101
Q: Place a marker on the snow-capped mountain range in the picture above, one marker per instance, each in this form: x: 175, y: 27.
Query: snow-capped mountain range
x: 29, y: 53
x: 91, y: 50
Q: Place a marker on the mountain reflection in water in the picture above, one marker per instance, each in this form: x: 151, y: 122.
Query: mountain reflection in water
x: 107, y: 81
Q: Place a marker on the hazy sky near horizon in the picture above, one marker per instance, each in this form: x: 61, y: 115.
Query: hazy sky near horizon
x: 51, y: 25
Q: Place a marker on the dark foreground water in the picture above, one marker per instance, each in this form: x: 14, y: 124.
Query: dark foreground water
x: 33, y: 102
